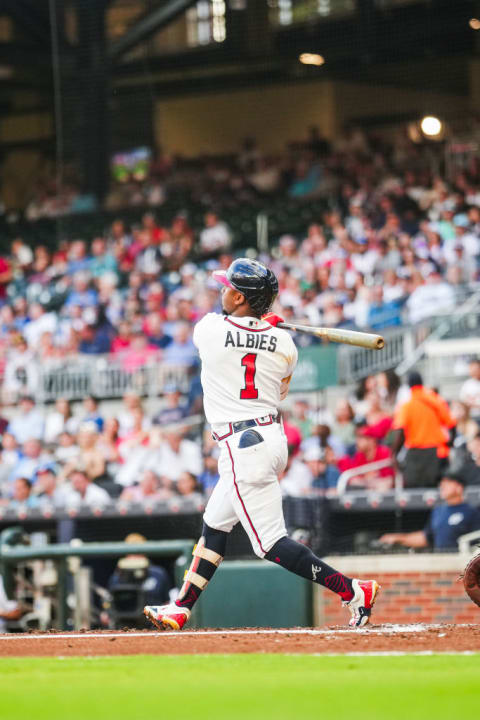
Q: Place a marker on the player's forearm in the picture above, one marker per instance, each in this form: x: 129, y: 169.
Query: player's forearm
x: 415, y: 539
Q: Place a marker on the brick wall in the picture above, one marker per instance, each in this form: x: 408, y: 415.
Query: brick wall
x: 422, y: 588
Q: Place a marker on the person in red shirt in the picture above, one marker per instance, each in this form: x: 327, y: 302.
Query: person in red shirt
x: 5, y: 277
x: 369, y: 451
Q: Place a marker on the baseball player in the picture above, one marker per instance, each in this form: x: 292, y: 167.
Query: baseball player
x: 247, y: 364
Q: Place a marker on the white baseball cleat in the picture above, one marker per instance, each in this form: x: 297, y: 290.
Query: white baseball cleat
x: 362, y: 602
x: 167, y: 617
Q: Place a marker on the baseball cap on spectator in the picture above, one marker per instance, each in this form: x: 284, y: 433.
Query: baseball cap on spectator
x: 451, y: 475
x: 314, y: 453
x: 461, y: 220
x: 414, y: 378
x: 188, y: 269
x: 367, y: 431
x: 46, y: 468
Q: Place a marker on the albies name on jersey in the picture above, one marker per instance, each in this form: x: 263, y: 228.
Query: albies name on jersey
x: 251, y: 341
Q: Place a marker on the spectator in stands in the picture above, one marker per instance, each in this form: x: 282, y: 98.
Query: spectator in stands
x: 176, y: 454
x: 126, y: 417
x: 78, y: 260
x: 379, y: 421
x: 467, y: 462
x: 187, y: 486
x: 215, y: 237
x: 82, y: 294
x: 5, y: 277
x: 467, y: 428
x: 181, y: 351
x: 59, y: 421
x: 434, y: 297
x: 154, y: 331
x: 123, y: 338
x: 175, y: 408
x: 447, y: 522
x: 92, y: 412
x: 324, y: 476
x: 29, y: 423
x: 40, y: 322
x: 147, y: 490
x: 387, y: 385
x: 369, y: 451
x: 66, y: 449
x: 209, y: 477
x: 31, y: 458
x: 22, y: 496
x: 102, y: 261
x: 3, y: 424
x: 422, y: 424
x: 108, y: 444
x: 301, y: 417
x: 383, y: 313
x: 81, y: 490
x: 46, y: 489
x: 343, y: 427
x: 9, y: 458
x: 96, y: 334
x: 140, y: 352
x: 149, y: 260
x: 90, y: 456
x: 21, y: 370
x: 470, y: 390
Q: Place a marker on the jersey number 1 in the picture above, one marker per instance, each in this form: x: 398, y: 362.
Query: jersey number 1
x: 249, y: 392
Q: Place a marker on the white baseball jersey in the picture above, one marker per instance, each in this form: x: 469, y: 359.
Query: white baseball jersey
x: 246, y: 366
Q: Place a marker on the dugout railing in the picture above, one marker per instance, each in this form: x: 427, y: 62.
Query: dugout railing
x: 12, y: 554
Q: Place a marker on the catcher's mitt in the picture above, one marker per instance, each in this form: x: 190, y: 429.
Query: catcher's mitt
x: 471, y: 579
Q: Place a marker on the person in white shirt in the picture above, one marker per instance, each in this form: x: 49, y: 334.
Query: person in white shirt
x: 41, y: 322
x: 247, y: 365
x: 82, y: 490
x: 175, y: 456
x: 435, y: 297
x: 215, y: 237
x: 470, y: 390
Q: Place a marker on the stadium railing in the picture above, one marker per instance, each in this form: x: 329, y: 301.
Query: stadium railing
x: 345, y: 477
x: 407, y: 345
x: 104, y: 377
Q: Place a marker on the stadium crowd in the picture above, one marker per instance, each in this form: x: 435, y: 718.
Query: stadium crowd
x: 397, y: 243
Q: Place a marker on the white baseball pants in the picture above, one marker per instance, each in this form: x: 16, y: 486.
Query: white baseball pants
x: 248, y: 490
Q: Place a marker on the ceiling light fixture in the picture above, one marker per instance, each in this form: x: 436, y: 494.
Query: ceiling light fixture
x: 311, y: 59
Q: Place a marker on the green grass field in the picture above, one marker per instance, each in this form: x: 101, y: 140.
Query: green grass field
x: 239, y: 686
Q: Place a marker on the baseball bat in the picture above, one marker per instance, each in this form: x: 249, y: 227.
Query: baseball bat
x: 350, y: 337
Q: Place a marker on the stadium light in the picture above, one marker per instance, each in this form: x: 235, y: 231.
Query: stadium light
x: 431, y: 126
x: 311, y: 59
x: 474, y: 23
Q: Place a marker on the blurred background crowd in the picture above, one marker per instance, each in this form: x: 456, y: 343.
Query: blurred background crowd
x: 396, y: 243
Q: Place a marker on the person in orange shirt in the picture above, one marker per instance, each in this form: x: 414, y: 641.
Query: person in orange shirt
x: 423, y: 424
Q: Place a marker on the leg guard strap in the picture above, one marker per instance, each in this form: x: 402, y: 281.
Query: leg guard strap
x: 201, y: 551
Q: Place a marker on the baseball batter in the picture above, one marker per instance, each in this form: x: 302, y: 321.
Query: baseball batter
x: 247, y: 364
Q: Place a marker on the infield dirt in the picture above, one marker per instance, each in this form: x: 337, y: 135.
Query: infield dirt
x: 388, y: 639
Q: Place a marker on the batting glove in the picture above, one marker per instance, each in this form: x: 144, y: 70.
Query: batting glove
x: 273, y: 319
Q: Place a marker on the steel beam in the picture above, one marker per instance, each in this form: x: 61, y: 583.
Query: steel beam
x: 147, y: 26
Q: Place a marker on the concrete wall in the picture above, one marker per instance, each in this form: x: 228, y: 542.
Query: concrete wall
x: 216, y: 123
